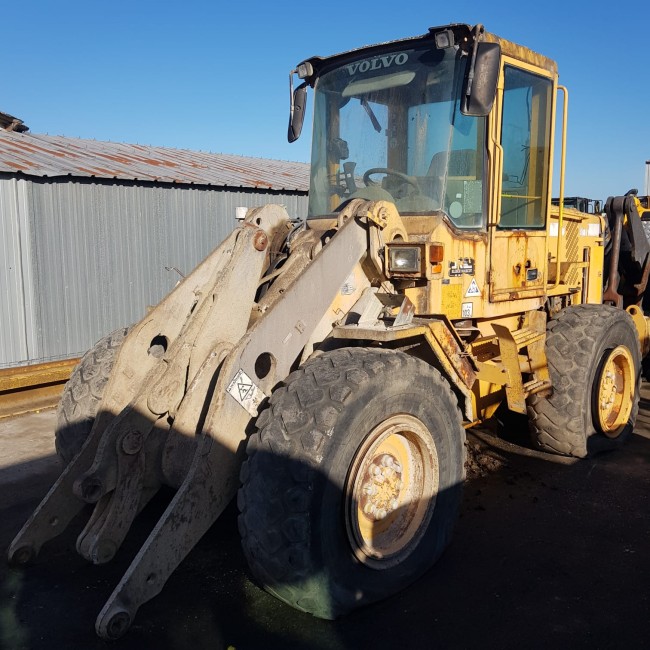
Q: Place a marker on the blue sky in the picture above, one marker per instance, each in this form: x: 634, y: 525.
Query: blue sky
x: 213, y: 76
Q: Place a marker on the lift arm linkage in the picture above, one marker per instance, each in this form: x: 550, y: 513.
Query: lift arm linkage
x: 181, y: 418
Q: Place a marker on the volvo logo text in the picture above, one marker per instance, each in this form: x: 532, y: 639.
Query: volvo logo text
x: 385, y: 61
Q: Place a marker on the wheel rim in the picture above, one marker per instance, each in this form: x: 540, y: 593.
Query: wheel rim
x: 391, y: 490
x: 615, y: 391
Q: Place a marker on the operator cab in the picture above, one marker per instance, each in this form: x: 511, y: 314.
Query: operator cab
x: 391, y: 123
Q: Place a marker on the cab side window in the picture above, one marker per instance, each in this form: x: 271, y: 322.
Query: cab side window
x: 525, y: 138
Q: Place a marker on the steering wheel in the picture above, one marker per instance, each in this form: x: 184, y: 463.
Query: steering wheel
x: 389, y: 172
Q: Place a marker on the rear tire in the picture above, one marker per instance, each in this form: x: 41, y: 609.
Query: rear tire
x: 83, y: 393
x: 353, y: 481
x: 595, y: 363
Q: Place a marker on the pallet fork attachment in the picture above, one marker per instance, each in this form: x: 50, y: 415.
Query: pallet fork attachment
x: 188, y: 422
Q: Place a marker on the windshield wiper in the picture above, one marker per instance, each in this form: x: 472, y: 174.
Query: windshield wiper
x: 371, y: 115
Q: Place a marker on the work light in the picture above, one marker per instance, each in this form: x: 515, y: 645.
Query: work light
x: 404, y: 259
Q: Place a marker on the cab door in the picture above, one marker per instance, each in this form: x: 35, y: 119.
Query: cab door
x: 523, y: 127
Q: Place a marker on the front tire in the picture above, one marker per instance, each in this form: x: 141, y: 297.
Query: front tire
x: 594, y: 361
x: 83, y: 394
x: 353, y: 481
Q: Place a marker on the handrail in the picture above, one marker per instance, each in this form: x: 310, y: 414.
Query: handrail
x: 565, y: 113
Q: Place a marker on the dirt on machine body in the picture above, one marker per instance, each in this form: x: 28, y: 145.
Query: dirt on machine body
x: 324, y: 369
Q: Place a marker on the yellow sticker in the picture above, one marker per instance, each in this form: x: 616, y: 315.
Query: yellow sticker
x: 452, y: 296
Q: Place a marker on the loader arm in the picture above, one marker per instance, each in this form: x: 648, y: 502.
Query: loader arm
x: 183, y: 419
x: 627, y: 261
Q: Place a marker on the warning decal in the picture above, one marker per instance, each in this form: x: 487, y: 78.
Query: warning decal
x: 246, y: 392
x: 473, y: 289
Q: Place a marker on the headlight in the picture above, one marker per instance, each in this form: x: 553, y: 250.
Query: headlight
x: 404, y: 259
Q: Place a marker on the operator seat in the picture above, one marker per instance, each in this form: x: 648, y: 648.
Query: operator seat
x: 459, y: 162
x: 447, y: 176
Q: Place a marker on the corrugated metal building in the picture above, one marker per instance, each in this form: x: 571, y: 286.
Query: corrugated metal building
x: 88, y: 230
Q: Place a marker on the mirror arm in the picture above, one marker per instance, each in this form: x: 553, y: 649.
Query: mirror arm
x: 291, y: 88
x: 478, y: 31
x: 296, y: 111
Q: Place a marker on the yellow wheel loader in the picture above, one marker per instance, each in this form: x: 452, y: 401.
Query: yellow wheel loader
x: 324, y: 369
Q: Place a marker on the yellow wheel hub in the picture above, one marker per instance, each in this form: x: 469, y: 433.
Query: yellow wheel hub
x: 615, y: 391
x: 390, y: 491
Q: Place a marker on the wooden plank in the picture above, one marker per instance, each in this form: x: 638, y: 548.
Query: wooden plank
x: 28, y: 400
x: 37, y: 375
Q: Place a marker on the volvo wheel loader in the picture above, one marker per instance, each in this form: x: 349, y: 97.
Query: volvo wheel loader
x: 323, y: 370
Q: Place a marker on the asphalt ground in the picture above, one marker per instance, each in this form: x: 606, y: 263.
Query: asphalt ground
x: 546, y: 554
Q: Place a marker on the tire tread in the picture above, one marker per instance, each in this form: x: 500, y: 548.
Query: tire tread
x: 300, y: 417
x: 557, y: 421
x: 83, y: 394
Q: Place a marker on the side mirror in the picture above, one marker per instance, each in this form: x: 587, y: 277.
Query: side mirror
x: 482, y: 78
x: 297, y: 112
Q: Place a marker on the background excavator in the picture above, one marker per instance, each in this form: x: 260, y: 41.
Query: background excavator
x: 324, y: 369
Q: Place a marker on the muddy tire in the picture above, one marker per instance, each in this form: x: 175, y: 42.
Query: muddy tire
x: 83, y: 394
x: 353, y: 481
x: 595, y: 363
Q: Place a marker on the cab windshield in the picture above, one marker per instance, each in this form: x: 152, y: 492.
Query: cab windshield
x: 389, y: 127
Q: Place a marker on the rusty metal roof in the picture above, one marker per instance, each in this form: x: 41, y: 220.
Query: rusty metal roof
x: 11, y: 123
x: 56, y: 156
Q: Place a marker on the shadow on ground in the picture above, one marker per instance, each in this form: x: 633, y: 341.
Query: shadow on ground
x: 544, y: 554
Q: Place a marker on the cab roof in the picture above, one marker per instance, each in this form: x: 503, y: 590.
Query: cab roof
x: 464, y: 36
